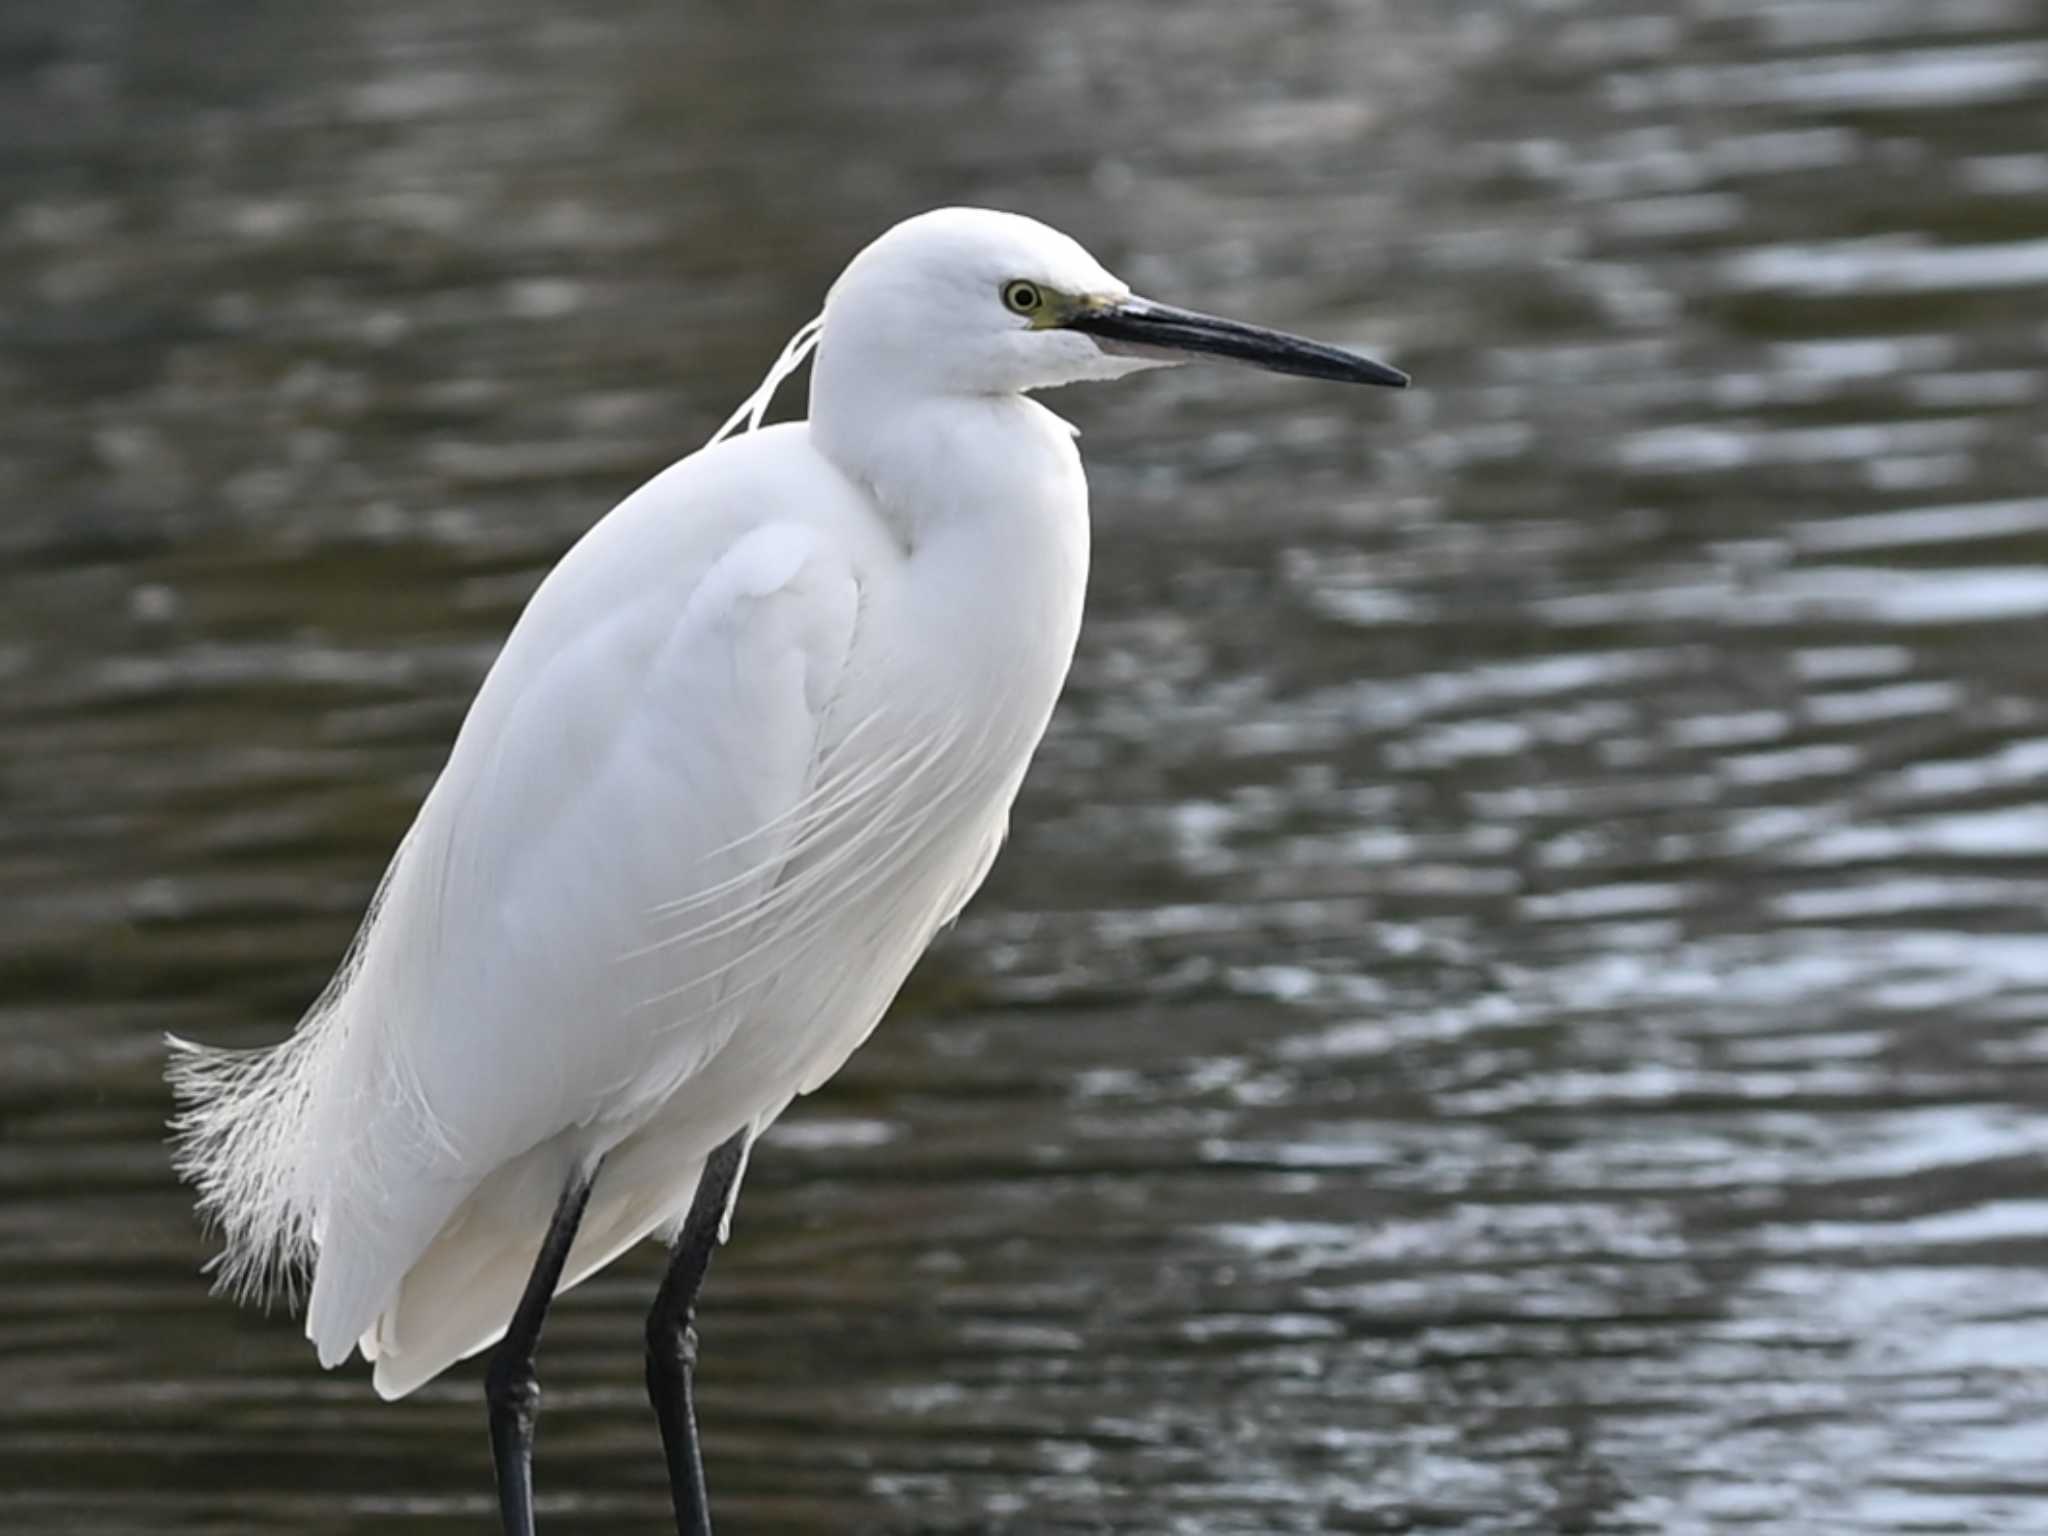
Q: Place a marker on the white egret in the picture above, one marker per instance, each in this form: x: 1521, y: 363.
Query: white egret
x: 751, y: 744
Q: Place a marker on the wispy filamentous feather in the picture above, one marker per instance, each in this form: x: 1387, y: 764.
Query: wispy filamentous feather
x: 237, y: 1137
x: 837, y: 811
x: 754, y: 409
x: 852, y: 830
x: 234, y: 1145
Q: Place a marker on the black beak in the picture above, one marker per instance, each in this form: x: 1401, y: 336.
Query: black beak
x: 1140, y: 327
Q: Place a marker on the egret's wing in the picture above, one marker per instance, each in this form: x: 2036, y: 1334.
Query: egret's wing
x: 661, y: 758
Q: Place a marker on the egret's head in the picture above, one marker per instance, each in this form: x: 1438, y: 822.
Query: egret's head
x: 970, y: 301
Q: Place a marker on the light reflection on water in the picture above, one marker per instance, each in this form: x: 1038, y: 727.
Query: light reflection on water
x: 1516, y: 1000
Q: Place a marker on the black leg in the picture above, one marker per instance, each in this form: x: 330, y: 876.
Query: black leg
x: 672, y: 1335
x: 510, y: 1385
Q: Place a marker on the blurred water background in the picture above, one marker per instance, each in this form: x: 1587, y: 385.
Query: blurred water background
x: 1517, y: 999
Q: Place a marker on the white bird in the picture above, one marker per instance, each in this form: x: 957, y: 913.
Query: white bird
x: 752, y: 743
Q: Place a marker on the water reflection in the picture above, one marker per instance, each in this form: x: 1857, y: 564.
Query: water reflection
x: 1515, y: 1001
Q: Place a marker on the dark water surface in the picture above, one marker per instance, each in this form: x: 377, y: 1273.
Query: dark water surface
x: 1517, y: 1001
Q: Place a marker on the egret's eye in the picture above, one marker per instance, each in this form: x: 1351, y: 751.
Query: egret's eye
x: 1023, y: 298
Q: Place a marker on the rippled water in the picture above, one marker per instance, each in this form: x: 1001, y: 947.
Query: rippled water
x: 1517, y: 1000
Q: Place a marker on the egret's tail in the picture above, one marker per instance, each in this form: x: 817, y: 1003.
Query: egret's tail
x: 292, y: 1223
x: 240, y: 1133
x: 236, y: 1135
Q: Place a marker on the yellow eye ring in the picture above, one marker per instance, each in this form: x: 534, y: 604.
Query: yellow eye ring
x: 1023, y: 298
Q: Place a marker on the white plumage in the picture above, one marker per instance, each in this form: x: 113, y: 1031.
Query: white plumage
x: 751, y: 744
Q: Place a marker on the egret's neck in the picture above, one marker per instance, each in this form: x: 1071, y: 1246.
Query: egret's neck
x: 986, y: 495
x: 933, y: 461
